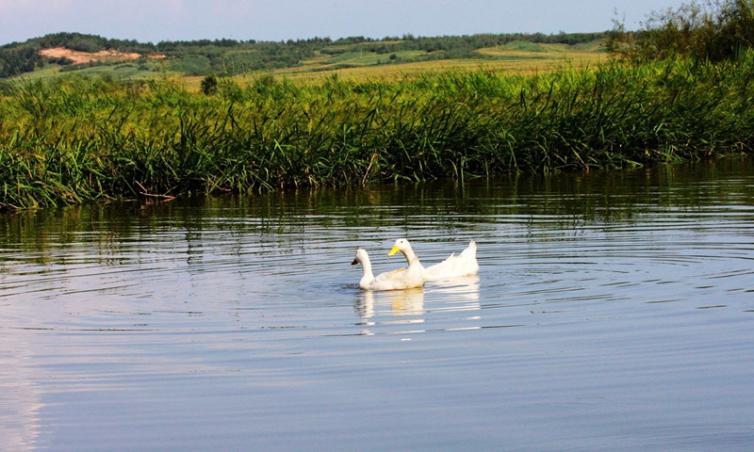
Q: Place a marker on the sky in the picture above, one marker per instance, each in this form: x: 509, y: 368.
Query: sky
x: 156, y: 20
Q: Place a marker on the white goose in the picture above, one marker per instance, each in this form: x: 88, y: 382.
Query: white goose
x: 465, y: 264
x: 403, y: 278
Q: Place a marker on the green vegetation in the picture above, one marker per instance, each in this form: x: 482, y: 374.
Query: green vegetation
x: 18, y: 58
x: 682, y: 92
x: 229, y: 57
x: 209, y: 85
x: 512, y: 58
x: 69, y: 140
x: 713, y: 31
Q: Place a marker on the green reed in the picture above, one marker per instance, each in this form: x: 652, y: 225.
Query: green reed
x: 71, y: 140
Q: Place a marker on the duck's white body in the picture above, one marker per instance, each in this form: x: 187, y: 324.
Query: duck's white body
x: 465, y: 264
x: 404, y: 278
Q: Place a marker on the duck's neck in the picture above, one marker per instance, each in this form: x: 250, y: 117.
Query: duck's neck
x: 367, y: 265
x: 410, y: 256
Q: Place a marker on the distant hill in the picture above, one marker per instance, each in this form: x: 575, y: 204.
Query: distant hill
x: 65, y: 52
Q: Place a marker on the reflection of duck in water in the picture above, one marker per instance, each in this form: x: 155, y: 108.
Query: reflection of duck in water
x: 403, y: 278
x: 402, y: 303
x: 455, y: 306
x: 464, y: 264
x: 459, y: 294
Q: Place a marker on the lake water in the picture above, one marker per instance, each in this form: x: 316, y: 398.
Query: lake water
x: 612, y: 311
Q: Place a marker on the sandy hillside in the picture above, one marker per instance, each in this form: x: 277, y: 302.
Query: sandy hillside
x: 77, y: 57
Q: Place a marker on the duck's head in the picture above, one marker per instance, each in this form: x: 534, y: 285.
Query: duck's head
x: 401, y: 245
x: 361, y: 256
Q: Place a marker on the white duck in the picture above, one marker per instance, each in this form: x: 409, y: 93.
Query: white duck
x: 403, y: 278
x: 465, y: 264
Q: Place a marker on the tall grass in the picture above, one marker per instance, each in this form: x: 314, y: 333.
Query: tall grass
x: 72, y: 140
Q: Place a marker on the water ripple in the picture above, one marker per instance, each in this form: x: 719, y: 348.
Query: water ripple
x: 605, y: 310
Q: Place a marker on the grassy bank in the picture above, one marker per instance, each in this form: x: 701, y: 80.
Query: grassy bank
x: 73, y: 140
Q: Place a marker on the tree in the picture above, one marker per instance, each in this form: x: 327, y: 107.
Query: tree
x: 209, y: 85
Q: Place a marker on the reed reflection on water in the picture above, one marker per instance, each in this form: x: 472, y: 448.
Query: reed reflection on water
x: 611, y: 311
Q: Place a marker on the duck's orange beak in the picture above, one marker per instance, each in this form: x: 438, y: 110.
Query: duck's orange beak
x: 393, y: 250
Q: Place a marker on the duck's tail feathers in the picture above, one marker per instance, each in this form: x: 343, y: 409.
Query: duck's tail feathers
x: 470, y: 250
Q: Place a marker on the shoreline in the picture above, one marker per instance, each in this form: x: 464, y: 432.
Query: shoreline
x: 77, y: 140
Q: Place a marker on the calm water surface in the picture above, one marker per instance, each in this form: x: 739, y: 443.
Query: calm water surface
x: 612, y: 311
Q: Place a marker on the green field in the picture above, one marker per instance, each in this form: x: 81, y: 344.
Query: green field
x: 511, y: 59
x: 365, y: 58
x: 350, y: 63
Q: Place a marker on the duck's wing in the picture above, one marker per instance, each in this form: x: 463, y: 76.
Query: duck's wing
x: 392, y: 274
x: 397, y: 279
